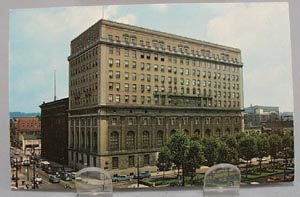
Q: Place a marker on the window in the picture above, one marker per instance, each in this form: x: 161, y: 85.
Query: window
x: 126, y: 87
x: 133, y: 76
x: 130, y: 121
x: 117, y: 98
x: 114, y: 140
x: 162, y: 68
x: 130, y: 140
x: 110, y: 74
x: 111, y: 50
x: 118, y: 86
x: 110, y: 86
x: 142, y: 55
x: 110, y: 62
x: 118, y: 51
x: 155, y: 56
x: 115, y: 162
x: 142, y: 66
x: 148, y: 77
x: 118, y: 74
x: 146, y: 139
x: 134, y: 98
x: 130, y: 161
x: 148, y: 66
x: 187, y: 71
x: 117, y: 63
x: 126, y: 75
x: 156, y: 67
x: 162, y: 78
x: 126, y: 64
x: 148, y: 88
x: 114, y: 121
x: 134, y: 64
x: 133, y: 87
x: 110, y: 37
x: 146, y: 159
x: 142, y: 77
x: 159, y: 138
x: 126, y: 52
x: 110, y: 98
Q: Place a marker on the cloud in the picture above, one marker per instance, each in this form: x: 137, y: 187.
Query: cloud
x: 128, y: 19
x: 162, y: 8
x: 261, y: 31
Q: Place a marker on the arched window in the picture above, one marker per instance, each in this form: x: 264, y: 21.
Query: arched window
x: 227, y: 131
x: 207, y: 132
x: 130, y: 140
x: 114, y: 140
x: 197, y: 132
x: 172, y: 132
x: 218, y: 132
x: 186, y: 132
x: 159, y: 138
x: 146, y: 139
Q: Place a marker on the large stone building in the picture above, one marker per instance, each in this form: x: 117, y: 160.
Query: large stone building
x: 54, y: 130
x: 131, y: 88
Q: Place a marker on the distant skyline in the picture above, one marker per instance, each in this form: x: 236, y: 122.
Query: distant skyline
x: 40, y: 43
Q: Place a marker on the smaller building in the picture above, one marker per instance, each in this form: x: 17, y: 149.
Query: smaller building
x: 28, y: 125
x: 30, y: 144
x: 54, y: 130
x: 257, y: 115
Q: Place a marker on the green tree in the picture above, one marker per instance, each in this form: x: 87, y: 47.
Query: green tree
x: 210, y: 150
x: 263, y: 147
x: 223, y: 153
x: 232, y: 143
x: 275, y: 142
x: 164, y: 161
x: 179, y: 146
x: 287, y: 150
x: 247, y: 149
x: 195, y: 157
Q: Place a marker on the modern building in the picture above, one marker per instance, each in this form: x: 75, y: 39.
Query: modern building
x: 54, y: 130
x: 131, y: 88
x: 257, y: 115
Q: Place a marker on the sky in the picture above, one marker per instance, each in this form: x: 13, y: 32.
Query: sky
x: 40, y: 43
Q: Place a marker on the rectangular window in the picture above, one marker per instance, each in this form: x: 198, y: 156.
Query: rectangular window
x: 126, y: 52
x: 110, y: 62
x: 118, y: 86
x: 118, y: 98
x: 126, y: 75
x: 134, y: 53
x: 110, y: 86
x: 134, y: 99
x: 115, y: 162
x: 131, y: 161
x: 118, y: 75
x: 126, y: 87
x: 110, y: 74
x: 111, y: 50
x: 126, y: 98
x: 126, y: 63
x: 110, y: 98
x: 134, y: 64
x: 133, y: 76
x: 117, y: 63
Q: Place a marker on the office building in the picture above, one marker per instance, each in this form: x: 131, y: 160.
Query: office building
x: 131, y: 88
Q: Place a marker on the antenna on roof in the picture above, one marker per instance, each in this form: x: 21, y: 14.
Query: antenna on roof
x: 54, y: 85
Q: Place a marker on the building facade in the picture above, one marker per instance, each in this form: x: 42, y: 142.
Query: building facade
x: 131, y: 88
x: 258, y: 115
x: 54, y: 130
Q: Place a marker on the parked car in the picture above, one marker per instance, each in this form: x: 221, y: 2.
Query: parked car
x: 143, y: 175
x: 121, y: 178
x: 66, y: 177
x: 53, y: 179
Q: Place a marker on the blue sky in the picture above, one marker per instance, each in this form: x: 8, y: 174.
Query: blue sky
x: 40, y: 43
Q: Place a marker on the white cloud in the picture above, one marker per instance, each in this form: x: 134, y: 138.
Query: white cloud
x: 160, y: 7
x: 261, y: 31
x: 128, y: 19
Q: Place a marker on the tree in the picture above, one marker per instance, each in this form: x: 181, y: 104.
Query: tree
x: 275, y: 147
x: 287, y: 150
x: 247, y: 149
x: 210, y: 150
x: 223, y: 153
x: 232, y: 143
x: 263, y: 147
x: 194, y: 157
x: 179, y: 145
x: 164, y: 161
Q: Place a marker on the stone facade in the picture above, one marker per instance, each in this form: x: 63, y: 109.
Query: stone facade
x: 131, y: 88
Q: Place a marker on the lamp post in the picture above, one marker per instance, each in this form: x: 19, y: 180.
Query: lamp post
x: 17, y: 164
x: 33, y: 158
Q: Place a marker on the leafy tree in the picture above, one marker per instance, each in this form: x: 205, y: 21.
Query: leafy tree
x: 164, y: 161
x: 263, y: 147
x: 223, y: 153
x: 179, y: 145
x: 210, y: 150
x: 287, y: 150
x: 232, y: 143
x: 275, y: 147
x: 247, y: 149
x: 194, y: 157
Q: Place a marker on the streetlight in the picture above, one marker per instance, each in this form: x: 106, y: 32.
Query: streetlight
x: 17, y: 165
x: 33, y: 158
